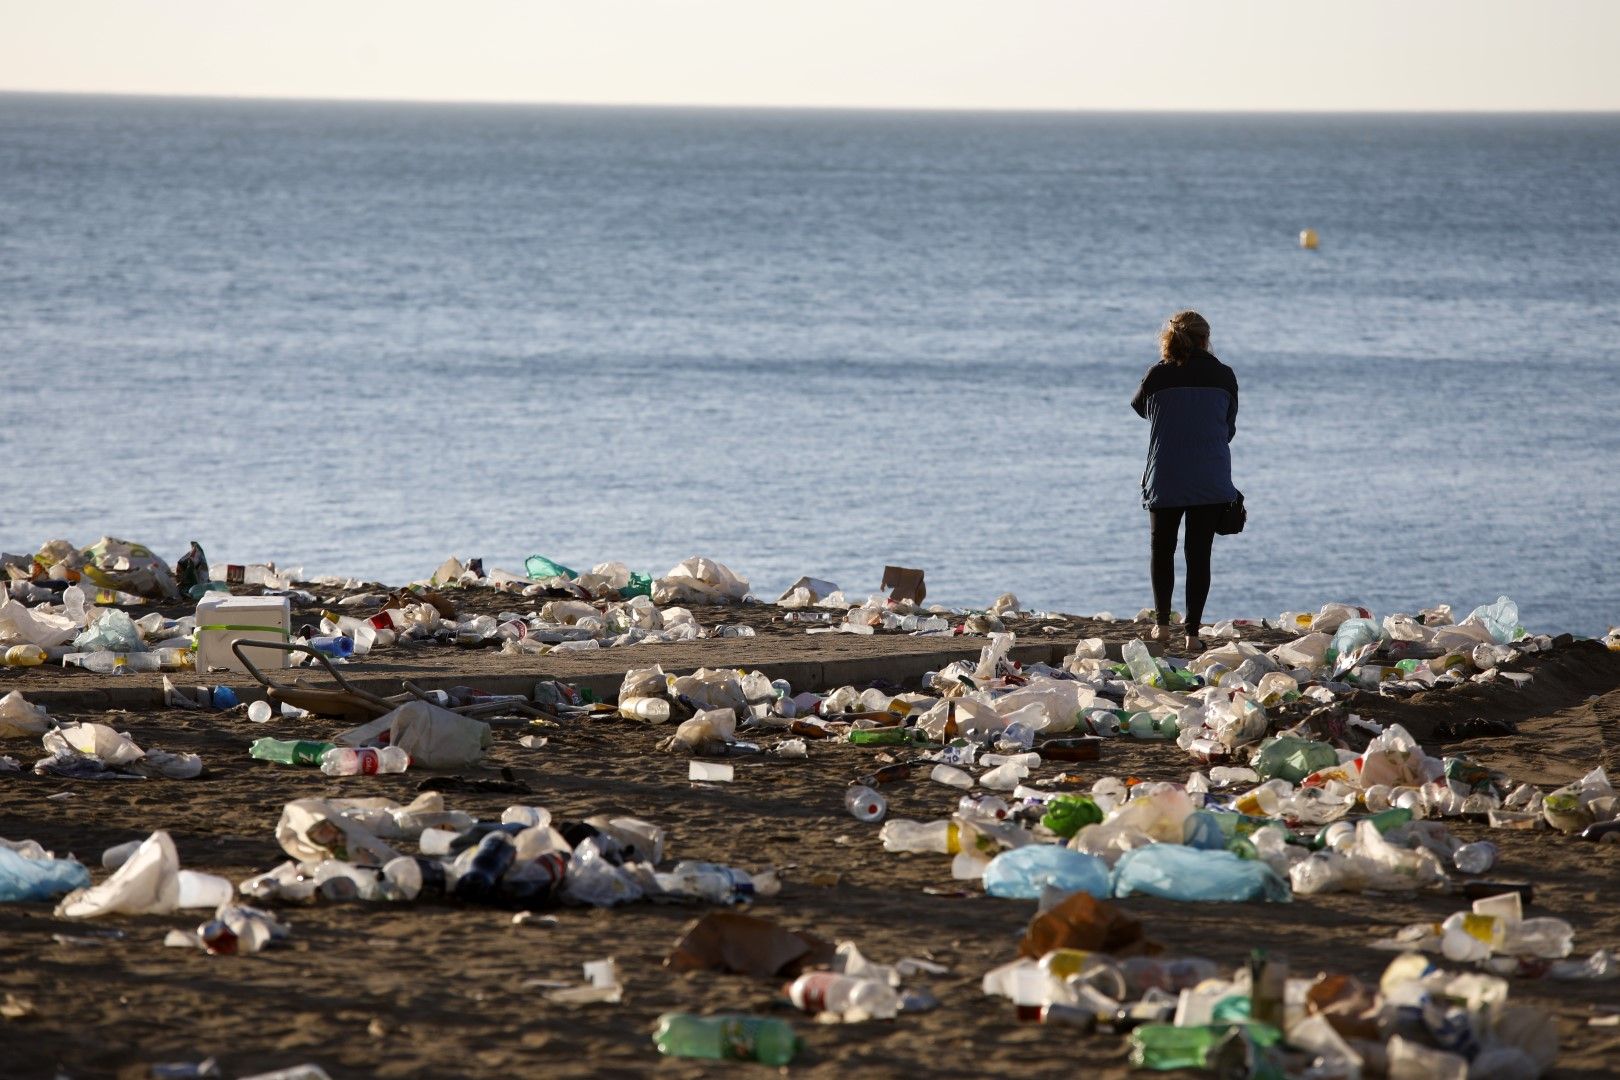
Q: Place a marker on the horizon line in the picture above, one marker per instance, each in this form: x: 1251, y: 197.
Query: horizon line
x: 311, y: 99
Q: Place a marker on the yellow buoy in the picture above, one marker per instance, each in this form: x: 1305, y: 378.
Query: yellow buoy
x: 1307, y: 239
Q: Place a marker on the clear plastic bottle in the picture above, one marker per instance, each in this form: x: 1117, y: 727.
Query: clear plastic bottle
x: 1475, y: 858
x: 865, y: 804
x: 830, y: 992
x: 102, y: 662
x: 903, y: 835
x: 1141, y: 663
x: 364, y: 760
x: 726, y: 1037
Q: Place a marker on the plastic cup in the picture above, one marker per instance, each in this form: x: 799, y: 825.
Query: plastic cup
x: 711, y: 771
x: 260, y: 712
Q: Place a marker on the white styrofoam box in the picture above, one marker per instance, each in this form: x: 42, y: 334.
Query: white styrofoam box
x: 271, y: 613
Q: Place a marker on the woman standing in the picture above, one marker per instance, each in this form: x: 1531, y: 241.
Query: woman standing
x: 1190, y: 400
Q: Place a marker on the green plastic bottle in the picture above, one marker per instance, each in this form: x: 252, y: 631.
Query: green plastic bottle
x: 1162, y: 1046
x: 290, y: 752
x: 728, y: 1036
x: 886, y: 736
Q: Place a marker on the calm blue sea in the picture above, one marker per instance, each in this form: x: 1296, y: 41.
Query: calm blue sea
x: 361, y: 337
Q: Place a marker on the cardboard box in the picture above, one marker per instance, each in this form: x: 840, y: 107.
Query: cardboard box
x: 241, y: 618
x: 905, y: 583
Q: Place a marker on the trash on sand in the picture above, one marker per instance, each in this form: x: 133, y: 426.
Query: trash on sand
x: 741, y: 944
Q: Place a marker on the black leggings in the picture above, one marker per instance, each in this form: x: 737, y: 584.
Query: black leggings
x: 1165, y: 522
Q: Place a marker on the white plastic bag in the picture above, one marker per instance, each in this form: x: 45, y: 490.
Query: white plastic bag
x: 18, y: 717
x: 437, y: 738
x: 699, y: 581
x: 147, y: 884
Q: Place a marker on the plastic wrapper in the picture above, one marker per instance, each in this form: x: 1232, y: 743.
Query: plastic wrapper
x: 20, y: 625
x: 1293, y: 759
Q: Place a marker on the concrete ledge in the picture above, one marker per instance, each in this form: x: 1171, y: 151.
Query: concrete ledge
x: 804, y: 672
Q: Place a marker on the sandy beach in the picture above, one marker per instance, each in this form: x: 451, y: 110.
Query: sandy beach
x: 445, y: 989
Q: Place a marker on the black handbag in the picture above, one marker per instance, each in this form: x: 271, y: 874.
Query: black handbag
x: 1233, y: 517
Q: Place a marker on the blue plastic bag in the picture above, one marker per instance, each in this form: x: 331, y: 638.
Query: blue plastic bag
x: 1183, y: 873
x: 38, y: 879
x: 1352, y: 635
x: 1500, y: 618
x: 1022, y: 873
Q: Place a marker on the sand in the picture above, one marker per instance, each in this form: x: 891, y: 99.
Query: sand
x: 438, y: 989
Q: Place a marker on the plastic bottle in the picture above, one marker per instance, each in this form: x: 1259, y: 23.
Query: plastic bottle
x: 941, y: 836
x: 482, y: 867
x: 726, y: 1037
x: 24, y: 656
x: 1161, y: 1046
x: 654, y: 710
x: 102, y: 662
x: 224, y: 697
x: 336, y: 646
x: 1475, y: 858
x: 826, y: 991
x: 865, y: 804
x: 1141, y: 664
x: 289, y: 751
x: 364, y: 760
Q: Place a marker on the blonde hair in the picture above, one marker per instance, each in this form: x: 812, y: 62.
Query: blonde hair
x: 1184, y: 336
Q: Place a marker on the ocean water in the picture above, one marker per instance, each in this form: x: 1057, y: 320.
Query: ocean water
x: 361, y: 337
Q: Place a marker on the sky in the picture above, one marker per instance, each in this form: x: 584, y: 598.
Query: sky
x: 953, y: 54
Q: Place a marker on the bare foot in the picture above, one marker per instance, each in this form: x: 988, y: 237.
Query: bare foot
x: 1194, y: 645
x: 1159, y: 633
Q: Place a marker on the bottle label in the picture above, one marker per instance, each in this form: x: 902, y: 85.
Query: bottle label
x: 737, y: 1039
x: 235, y: 575
x: 369, y: 761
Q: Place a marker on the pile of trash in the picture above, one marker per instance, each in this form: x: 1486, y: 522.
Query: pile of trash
x: 1086, y: 964
x: 87, y: 751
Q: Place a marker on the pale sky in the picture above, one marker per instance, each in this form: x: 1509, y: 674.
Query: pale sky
x: 972, y: 54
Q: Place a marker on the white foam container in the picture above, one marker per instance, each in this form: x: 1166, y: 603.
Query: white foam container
x: 269, y: 617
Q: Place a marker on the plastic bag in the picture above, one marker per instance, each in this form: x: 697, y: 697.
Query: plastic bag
x: 437, y: 738
x: 114, y: 631
x: 20, y: 625
x: 540, y: 568
x: 1352, y: 634
x: 311, y: 830
x: 1293, y: 759
x: 1068, y: 814
x: 148, y: 883
x: 1183, y: 873
x: 592, y: 880
x: 1309, y: 652
x: 1395, y: 759
x: 643, y: 682
x: 1060, y: 702
x: 699, y: 581
x: 1023, y: 873
x: 1500, y: 618
x: 707, y: 733
x: 98, y: 741
x: 18, y: 717
x: 711, y: 689
x: 38, y: 879
x: 133, y: 568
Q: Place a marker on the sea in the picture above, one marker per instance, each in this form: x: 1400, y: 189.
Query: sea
x: 361, y: 337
